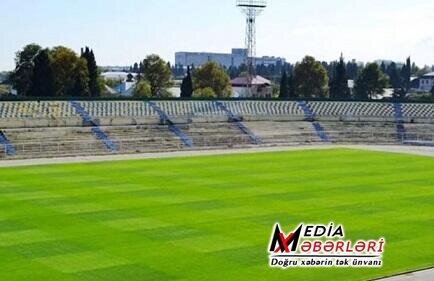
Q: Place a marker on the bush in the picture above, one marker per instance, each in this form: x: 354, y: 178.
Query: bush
x: 211, y: 75
x: 4, y: 90
x: 204, y: 93
x: 165, y: 93
x: 112, y: 83
x: 142, y: 90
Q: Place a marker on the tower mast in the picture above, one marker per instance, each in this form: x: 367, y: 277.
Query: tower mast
x: 252, y: 9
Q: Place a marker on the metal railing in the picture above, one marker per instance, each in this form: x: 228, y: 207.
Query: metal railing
x: 52, y: 148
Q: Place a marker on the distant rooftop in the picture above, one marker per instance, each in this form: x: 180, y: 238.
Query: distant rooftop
x: 257, y: 80
x: 431, y: 74
x: 117, y: 75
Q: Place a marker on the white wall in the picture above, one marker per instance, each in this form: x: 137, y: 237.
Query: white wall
x: 426, y: 84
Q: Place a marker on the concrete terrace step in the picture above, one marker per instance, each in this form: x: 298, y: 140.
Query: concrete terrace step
x: 72, y: 141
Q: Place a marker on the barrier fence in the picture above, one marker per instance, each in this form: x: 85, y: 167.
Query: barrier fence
x: 160, y: 144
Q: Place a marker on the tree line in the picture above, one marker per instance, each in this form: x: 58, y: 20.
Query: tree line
x: 155, y: 78
x: 274, y: 72
x: 60, y: 72
x: 55, y: 72
x: 314, y: 79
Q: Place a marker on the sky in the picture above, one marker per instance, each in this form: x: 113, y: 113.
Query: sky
x: 122, y: 32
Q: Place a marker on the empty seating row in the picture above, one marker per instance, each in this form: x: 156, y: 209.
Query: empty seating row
x: 78, y: 141
x: 418, y: 110
x: 361, y: 132
x: 34, y: 109
x: 215, y: 135
x: 352, y: 109
x: 189, y: 108
x: 284, y: 133
x: 419, y: 132
x: 54, y: 142
x: 100, y: 109
x: 266, y: 108
x: 159, y: 138
x: 209, y: 108
x: 140, y: 139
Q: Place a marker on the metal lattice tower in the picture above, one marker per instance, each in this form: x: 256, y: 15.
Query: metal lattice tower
x: 252, y: 9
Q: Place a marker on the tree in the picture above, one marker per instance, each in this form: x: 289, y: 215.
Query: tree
x: 370, y: 83
x: 5, y: 77
x: 92, y: 69
x: 422, y: 71
x: 102, y: 87
x: 352, y: 70
x: 158, y: 75
x: 42, y: 80
x: 394, y: 76
x: 243, y: 71
x: 21, y: 78
x: 142, y: 90
x: 27, y: 54
x: 187, y: 85
x: 339, y: 84
x: 291, y: 87
x: 310, y: 79
x: 383, y: 67
x: 22, y: 75
x: 204, y: 93
x: 406, y: 75
x: 71, y: 75
x: 284, y: 86
x: 414, y: 69
x: 136, y: 68
x: 211, y: 75
x: 81, y: 81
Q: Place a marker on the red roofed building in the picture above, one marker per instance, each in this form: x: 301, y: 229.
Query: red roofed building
x: 261, y: 87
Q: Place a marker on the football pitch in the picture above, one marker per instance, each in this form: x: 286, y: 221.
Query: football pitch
x: 210, y: 217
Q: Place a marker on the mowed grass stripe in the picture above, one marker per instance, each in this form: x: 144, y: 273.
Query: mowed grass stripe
x: 210, y: 217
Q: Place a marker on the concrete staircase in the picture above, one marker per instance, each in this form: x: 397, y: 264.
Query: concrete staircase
x: 6, y: 148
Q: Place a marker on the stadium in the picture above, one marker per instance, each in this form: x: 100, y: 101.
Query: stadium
x: 202, y: 183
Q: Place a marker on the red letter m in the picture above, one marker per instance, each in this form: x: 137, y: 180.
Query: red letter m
x: 284, y: 242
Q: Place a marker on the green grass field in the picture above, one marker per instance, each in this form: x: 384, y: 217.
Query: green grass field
x: 210, y: 218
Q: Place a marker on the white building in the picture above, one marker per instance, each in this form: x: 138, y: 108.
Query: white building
x: 117, y: 75
x: 261, y: 87
x: 235, y: 58
x: 424, y: 83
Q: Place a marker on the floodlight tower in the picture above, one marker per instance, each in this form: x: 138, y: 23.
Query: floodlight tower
x: 252, y: 9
